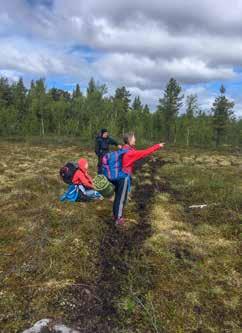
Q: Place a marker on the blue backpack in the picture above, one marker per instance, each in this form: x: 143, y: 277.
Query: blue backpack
x: 112, y: 165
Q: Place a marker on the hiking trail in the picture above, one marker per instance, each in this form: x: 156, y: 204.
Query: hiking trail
x: 96, y: 310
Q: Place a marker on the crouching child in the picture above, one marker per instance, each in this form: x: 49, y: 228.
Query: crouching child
x: 80, y: 183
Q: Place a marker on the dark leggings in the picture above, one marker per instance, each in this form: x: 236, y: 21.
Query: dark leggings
x: 99, y: 165
x: 121, y: 195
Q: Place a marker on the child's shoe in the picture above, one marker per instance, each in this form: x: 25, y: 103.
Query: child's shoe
x: 120, y: 221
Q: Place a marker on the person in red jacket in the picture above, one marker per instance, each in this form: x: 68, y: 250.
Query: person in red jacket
x: 122, y: 185
x: 82, y: 178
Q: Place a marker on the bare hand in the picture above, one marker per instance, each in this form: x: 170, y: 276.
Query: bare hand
x: 119, y: 147
x: 162, y: 145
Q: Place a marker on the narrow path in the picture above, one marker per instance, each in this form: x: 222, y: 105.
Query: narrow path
x: 117, y: 249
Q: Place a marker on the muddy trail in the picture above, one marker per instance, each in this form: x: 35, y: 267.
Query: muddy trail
x: 96, y: 306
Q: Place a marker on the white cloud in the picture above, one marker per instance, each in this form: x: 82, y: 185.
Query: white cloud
x: 140, y: 44
x: 148, y: 96
x: 205, y: 96
x: 145, y: 72
x: 27, y: 57
x: 13, y: 76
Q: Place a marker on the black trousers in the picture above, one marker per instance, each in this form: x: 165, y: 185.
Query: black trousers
x: 121, y: 195
x: 99, y: 165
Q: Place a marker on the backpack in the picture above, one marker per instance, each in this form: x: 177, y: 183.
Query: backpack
x: 76, y: 193
x: 67, y: 172
x: 112, y: 165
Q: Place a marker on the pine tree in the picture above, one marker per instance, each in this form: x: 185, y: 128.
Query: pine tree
x: 20, y: 103
x: 147, y: 123
x: 121, y: 102
x: 135, y: 121
x: 8, y: 120
x: 191, y: 111
x: 78, y: 110
x: 222, y: 114
x: 77, y: 92
x: 38, y: 100
x: 94, y: 107
x: 91, y: 87
x: 55, y: 94
x: 137, y: 105
x: 169, y: 106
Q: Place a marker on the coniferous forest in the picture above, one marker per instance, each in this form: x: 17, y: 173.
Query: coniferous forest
x: 38, y: 111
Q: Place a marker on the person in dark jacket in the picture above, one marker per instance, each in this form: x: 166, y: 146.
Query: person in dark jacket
x: 103, y: 141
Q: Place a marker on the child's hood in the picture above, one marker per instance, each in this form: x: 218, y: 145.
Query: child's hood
x: 82, y: 164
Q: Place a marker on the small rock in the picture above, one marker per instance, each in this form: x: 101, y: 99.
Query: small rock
x: 210, y: 160
x: 188, y: 160
x: 40, y: 327
x: 168, y: 160
x: 224, y: 163
x: 200, y: 160
x: 235, y: 162
x: 43, y: 326
x: 63, y: 329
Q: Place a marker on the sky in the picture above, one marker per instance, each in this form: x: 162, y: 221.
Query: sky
x: 140, y: 44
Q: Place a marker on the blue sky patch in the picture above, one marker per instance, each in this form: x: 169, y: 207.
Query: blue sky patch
x: 46, y: 3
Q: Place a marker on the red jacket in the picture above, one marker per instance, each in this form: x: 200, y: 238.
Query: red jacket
x: 81, y: 176
x: 134, y: 155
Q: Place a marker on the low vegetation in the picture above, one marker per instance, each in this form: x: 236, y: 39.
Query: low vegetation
x: 171, y: 269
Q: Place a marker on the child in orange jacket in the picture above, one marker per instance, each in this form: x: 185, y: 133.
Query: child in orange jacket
x: 81, y: 176
x: 82, y: 188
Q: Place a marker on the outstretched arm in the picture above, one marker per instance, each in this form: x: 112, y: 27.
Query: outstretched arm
x: 132, y: 156
x: 112, y: 142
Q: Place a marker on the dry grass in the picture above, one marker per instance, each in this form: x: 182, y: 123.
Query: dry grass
x: 46, y: 245
x: 183, y: 276
x: 196, y: 253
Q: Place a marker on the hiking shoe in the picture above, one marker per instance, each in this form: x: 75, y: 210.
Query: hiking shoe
x: 120, y: 221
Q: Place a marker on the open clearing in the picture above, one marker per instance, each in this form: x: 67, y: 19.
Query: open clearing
x: 173, y: 269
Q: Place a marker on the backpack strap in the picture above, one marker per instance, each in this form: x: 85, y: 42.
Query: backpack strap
x: 105, y: 164
x: 116, y: 158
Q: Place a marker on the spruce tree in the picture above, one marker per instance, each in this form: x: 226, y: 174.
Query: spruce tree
x: 169, y: 106
x: 20, y: 103
x: 77, y: 92
x: 222, y: 111
x: 191, y: 111
x: 121, y: 102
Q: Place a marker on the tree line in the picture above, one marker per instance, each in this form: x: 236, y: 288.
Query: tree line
x: 39, y: 111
